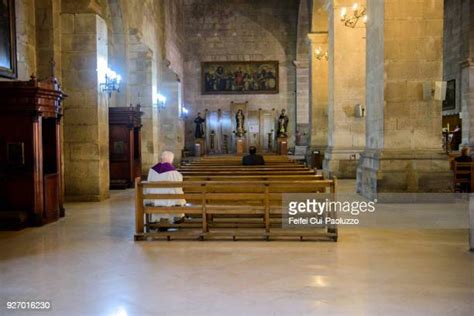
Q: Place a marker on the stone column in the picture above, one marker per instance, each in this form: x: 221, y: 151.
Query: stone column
x: 468, y: 82
x: 86, y: 130
x: 302, y: 97
x: 346, y: 130
x: 47, y: 38
x: 169, y: 122
x: 318, y: 92
x: 403, y: 141
x: 471, y: 222
x: 142, y: 86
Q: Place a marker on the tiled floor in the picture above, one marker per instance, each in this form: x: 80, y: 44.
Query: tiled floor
x: 87, y: 264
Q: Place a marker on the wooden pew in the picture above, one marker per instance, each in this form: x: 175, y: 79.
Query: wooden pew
x: 247, y: 172
x: 237, y: 167
x: 267, y: 177
x: 463, y: 175
x: 238, y: 209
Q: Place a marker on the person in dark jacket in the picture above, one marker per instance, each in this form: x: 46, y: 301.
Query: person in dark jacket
x: 252, y: 158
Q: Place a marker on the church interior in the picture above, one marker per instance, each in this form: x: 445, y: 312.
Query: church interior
x: 125, y: 126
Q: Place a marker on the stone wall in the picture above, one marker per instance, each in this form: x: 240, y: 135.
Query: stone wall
x: 456, y: 47
x: 403, y: 148
x: 346, y: 128
x: 25, y: 39
x: 86, y: 140
x: 230, y: 30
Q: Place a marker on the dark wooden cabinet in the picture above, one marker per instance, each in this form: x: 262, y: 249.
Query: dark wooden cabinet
x: 31, y: 182
x: 125, y: 146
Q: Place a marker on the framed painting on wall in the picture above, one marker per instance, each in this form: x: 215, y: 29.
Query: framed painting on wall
x: 239, y: 77
x: 7, y: 39
x: 449, y: 102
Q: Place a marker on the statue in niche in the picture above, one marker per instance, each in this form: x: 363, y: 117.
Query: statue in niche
x: 283, y: 124
x: 199, y: 121
x: 239, y: 123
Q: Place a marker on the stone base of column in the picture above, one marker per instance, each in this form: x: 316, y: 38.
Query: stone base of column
x: 86, y: 198
x: 341, y: 162
x: 403, y: 171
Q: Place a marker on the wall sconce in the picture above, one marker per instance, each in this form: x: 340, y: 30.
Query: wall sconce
x: 184, y: 112
x: 320, y: 55
x: 358, y: 12
x: 160, y: 101
x: 111, y: 82
x: 359, y: 111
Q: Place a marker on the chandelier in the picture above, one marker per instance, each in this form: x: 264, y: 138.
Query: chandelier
x: 320, y: 55
x: 350, y: 20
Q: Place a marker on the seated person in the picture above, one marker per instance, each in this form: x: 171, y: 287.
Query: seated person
x: 252, y: 158
x: 165, y: 171
x: 465, y: 157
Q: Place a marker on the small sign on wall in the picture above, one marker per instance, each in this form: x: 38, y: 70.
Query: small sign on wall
x: 254, y: 128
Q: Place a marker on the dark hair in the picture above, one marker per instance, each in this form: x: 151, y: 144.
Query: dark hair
x: 252, y: 150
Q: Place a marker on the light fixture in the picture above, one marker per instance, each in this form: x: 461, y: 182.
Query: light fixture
x: 358, y: 11
x: 160, y: 101
x: 111, y: 81
x: 184, y: 112
x: 320, y: 54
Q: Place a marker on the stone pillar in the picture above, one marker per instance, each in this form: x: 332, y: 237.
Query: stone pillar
x: 403, y: 141
x: 141, y: 86
x: 302, y: 98
x: 468, y: 82
x: 86, y: 130
x: 346, y: 130
x: 319, y: 93
x: 47, y: 38
x: 471, y: 222
x: 169, y: 122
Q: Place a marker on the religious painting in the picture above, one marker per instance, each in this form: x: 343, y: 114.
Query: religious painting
x: 449, y: 102
x: 239, y: 77
x: 7, y: 39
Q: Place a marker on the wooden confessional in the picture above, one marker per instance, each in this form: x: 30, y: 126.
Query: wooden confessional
x: 31, y: 181
x: 124, y: 146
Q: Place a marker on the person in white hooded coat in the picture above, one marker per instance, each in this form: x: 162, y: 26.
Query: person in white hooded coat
x: 165, y: 171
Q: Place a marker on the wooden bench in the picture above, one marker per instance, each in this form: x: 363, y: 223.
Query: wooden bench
x: 237, y: 209
x: 248, y: 172
x: 267, y: 177
x: 463, y: 175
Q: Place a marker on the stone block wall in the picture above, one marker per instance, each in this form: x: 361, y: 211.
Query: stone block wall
x: 403, y: 148
x: 25, y: 39
x: 456, y: 47
x: 346, y: 130
x: 86, y: 137
x: 319, y: 92
x: 247, y: 30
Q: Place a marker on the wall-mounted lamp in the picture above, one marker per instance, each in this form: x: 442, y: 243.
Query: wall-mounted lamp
x: 320, y: 55
x: 358, y: 12
x: 359, y: 111
x: 434, y: 90
x: 111, y: 82
x: 184, y: 112
x: 160, y: 101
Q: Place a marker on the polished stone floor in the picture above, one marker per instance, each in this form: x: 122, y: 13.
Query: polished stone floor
x: 88, y: 264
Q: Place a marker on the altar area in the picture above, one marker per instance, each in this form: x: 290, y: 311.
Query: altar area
x: 234, y: 130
